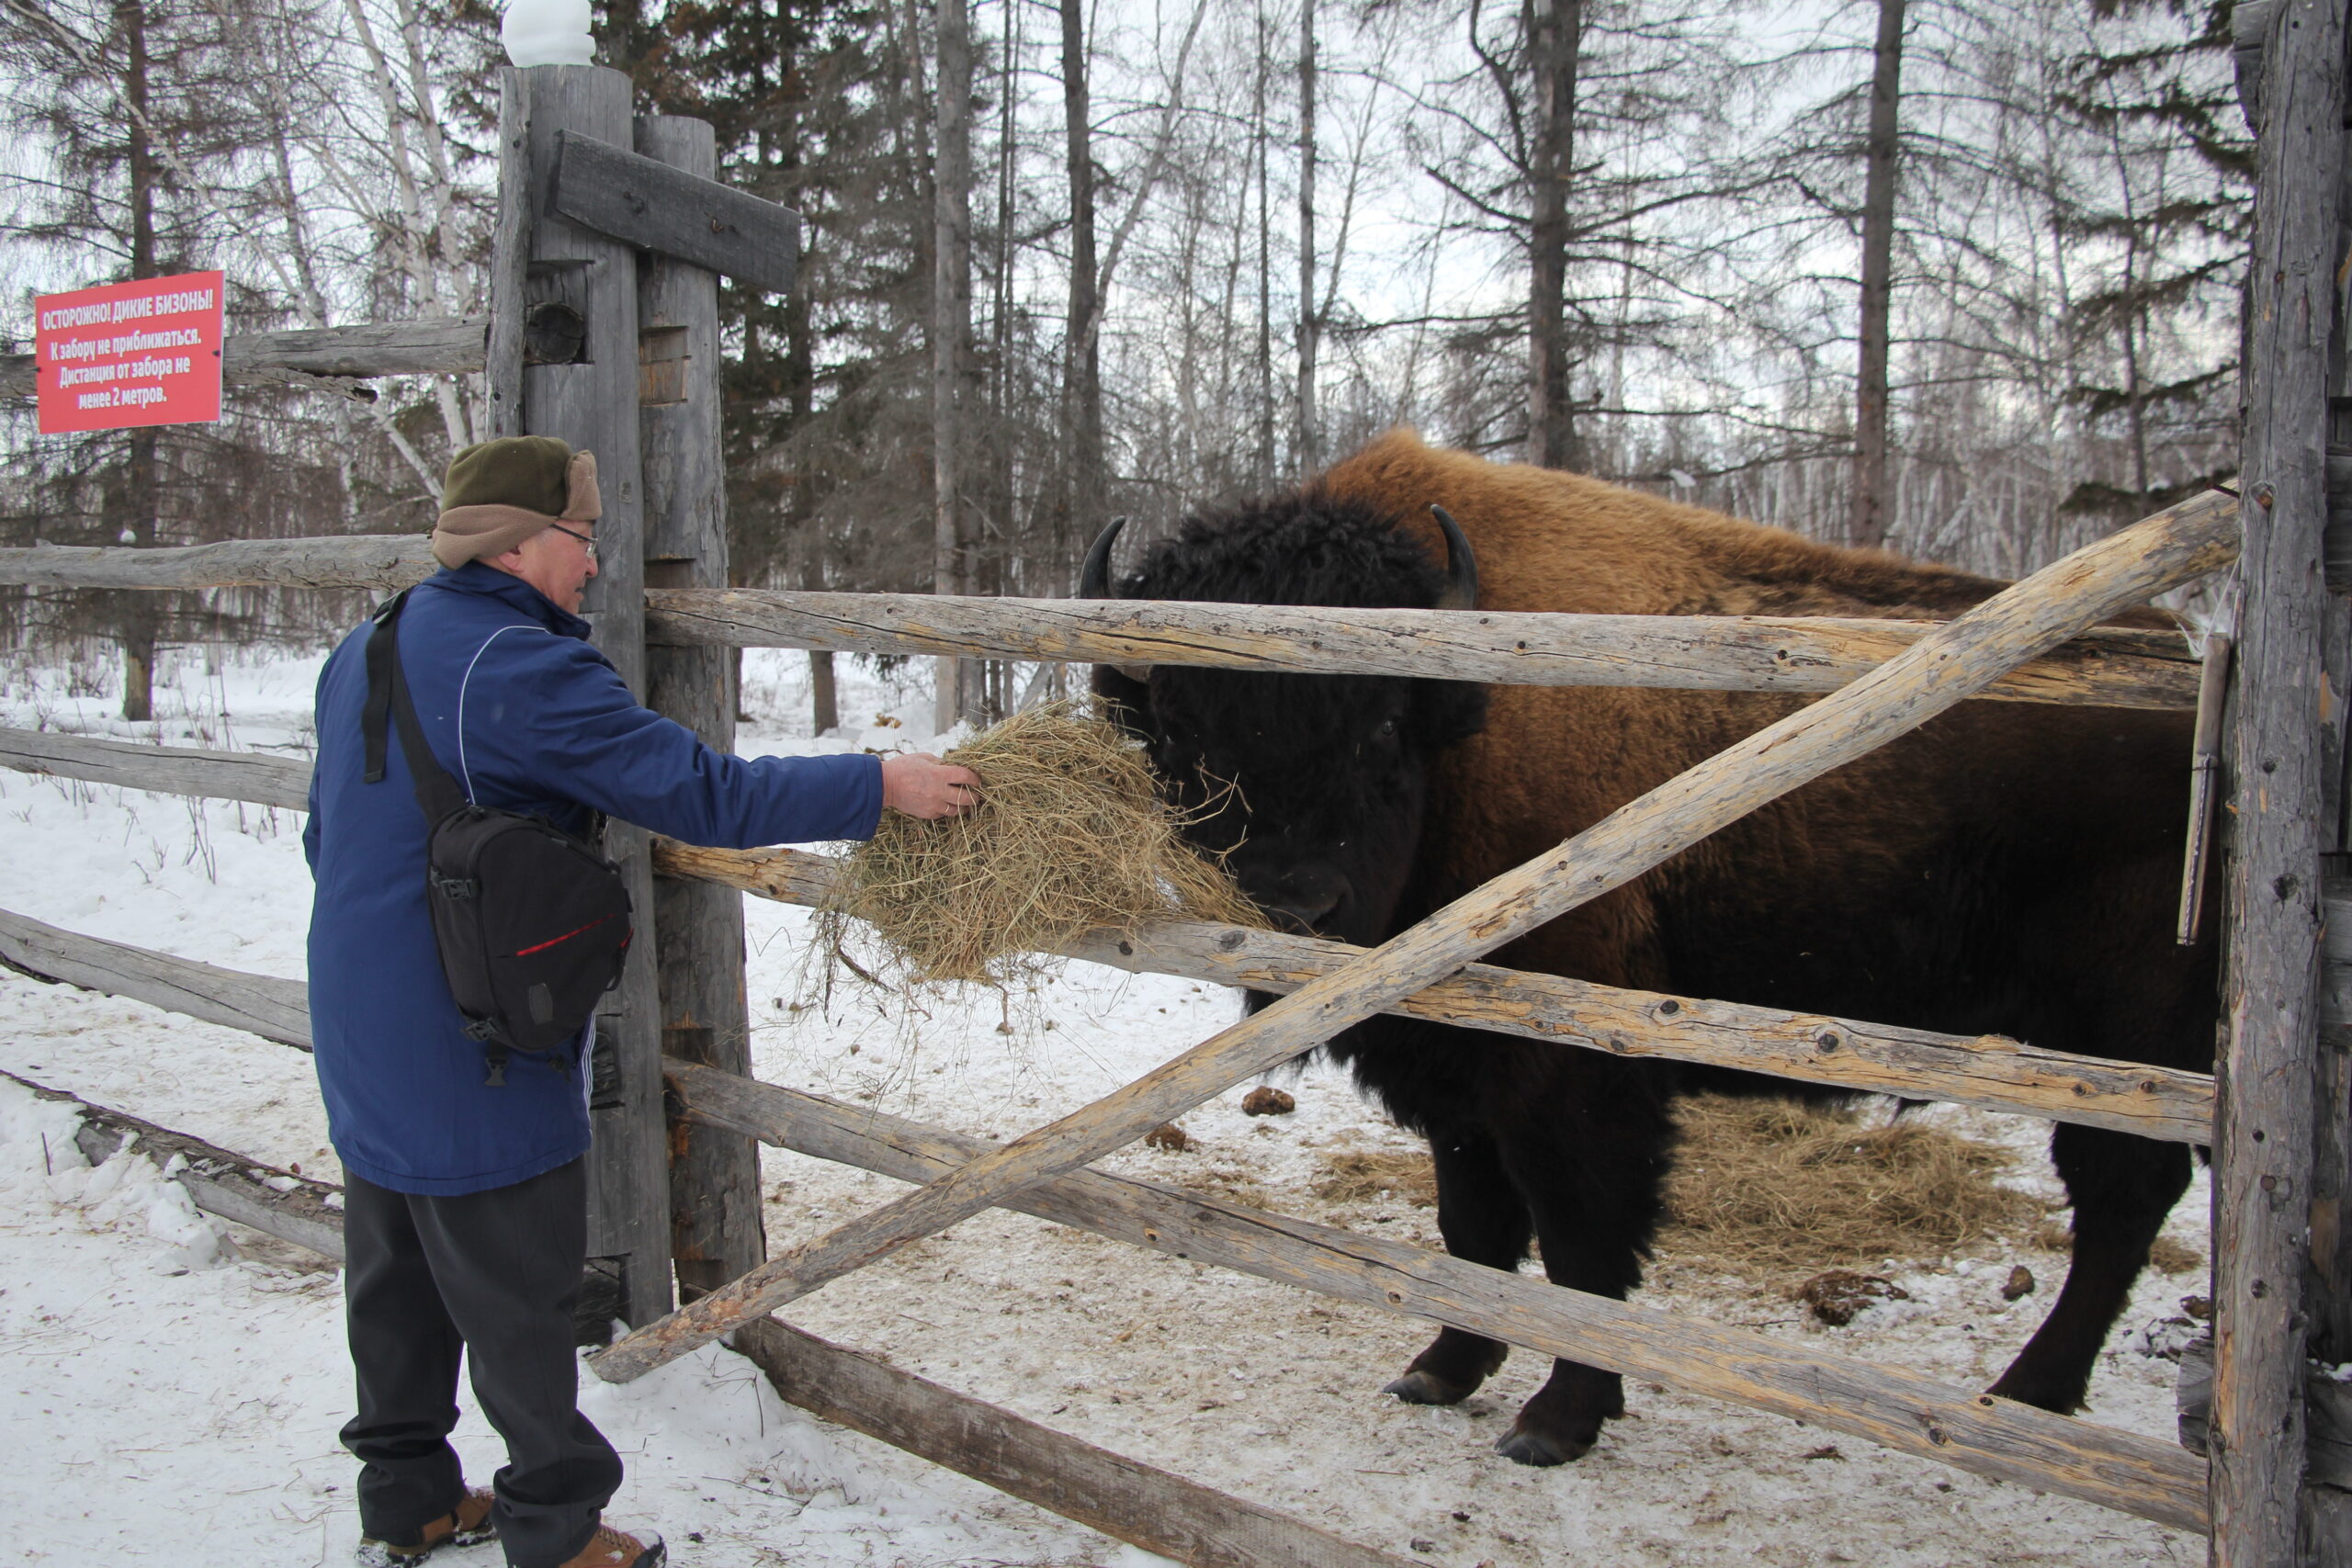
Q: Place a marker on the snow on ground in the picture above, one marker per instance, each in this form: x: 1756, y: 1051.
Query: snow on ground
x: 165, y: 1396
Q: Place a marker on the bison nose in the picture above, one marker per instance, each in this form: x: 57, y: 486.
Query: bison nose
x: 1302, y: 898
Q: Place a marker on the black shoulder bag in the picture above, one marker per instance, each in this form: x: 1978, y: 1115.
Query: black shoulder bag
x: 533, y: 922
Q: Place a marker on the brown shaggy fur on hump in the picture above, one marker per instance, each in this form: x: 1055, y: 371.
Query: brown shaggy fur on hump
x: 1637, y: 554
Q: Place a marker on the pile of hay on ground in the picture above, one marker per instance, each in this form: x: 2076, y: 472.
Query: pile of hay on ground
x: 1359, y: 1175
x: 1767, y: 1186
x: 1762, y: 1184
x: 1070, y: 837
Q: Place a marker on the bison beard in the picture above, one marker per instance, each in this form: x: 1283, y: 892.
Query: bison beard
x: 2007, y: 868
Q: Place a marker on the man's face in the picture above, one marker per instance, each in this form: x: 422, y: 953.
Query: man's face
x: 558, y: 562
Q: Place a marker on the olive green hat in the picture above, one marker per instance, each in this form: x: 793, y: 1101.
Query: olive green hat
x: 499, y: 494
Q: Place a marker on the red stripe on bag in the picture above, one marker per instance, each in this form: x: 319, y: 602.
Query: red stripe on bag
x: 542, y: 947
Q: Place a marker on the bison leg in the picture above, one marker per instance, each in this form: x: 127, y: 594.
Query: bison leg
x: 1593, y: 1212
x: 2122, y: 1188
x: 1483, y: 1221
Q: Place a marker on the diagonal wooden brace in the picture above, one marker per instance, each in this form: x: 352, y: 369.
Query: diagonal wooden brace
x: 2173, y: 547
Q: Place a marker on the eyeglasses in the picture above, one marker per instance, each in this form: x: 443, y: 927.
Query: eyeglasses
x: 581, y: 538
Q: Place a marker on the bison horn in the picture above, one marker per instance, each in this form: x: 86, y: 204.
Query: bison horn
x: 1094, y: 582
x: 1094, y: 578
x: 1461, y: 566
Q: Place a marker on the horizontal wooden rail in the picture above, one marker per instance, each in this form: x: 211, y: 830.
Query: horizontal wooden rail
x: 259, y: 1004
x: 1124, y: 1498
x: 1888, y: 1404
x: 293, y: 1208
x: 1990, y: 1071
x: 377, y: 562
x: 170, y: 770
x: 2113, y: 667
x: 2107, y: 666
x: 442, y: 347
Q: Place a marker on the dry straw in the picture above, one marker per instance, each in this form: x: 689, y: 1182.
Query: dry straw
x: 1777, y: 1184
x: 1770, y: 1185
x: 1070, y: 837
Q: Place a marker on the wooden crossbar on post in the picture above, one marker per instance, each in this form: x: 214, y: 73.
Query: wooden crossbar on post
x: 2175, y: 545
x: 1986, y: 1071
x: 1990, y: 1071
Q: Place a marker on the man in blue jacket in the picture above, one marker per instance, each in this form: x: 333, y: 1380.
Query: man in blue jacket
x: 465, y: 1219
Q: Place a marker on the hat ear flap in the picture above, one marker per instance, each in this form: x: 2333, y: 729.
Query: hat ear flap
x: 581, y: 503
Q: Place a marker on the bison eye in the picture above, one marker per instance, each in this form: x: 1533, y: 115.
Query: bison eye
x: 1387, y: 731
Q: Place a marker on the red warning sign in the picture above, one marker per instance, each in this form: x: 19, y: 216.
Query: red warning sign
x: 129, y: 354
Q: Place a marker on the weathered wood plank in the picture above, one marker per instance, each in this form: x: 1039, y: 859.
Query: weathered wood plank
x: 2112, y: 666
x: 1124, y: 1498
x: 171, y: 770
x: 1888, y: 1404
x: 1987, y: 1071
x: 1941, y: 671
x: 646, y: 201
x: 446, y: 346
x: 385, y: 561
x: 292, y: 1208
x: 592, y: 403
x: 275, y: 1009
x: 717, y: 1230
x: 510, y: 259
x: 2262, y: 1143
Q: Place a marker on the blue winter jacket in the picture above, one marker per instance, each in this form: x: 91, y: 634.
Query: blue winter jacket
x: 525, y: 715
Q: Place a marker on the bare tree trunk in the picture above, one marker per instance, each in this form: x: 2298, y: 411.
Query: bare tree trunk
x: 1086, y: 487
x: 1555, y: 38
x: 1262, y: 476
x: 1310, y: 454
x: 951, y: 335
x: 139, y: 490
x: 1024, y: 571
x: 1867, y: 525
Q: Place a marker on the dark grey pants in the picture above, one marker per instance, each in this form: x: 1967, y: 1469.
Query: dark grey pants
x: 493, y: 1274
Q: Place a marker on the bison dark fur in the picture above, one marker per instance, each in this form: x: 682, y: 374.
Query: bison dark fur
x: 2010, y: 868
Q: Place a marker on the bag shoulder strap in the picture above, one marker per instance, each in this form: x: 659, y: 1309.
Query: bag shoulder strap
x: 437, y: 794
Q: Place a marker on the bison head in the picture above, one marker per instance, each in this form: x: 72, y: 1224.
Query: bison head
x: 1313, y: 785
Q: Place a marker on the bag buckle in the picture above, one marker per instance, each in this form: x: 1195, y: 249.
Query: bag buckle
x: 452, y: 887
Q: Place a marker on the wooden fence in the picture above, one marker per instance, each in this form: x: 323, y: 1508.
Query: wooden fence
x: 585, y: 342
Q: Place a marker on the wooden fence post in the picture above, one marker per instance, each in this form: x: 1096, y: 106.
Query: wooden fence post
x: 2263, y: 1144
x: 576, y: 339
x: 715, y: 1226
x: 2327, y: 1508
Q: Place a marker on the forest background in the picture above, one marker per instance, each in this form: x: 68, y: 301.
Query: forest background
x: 1961, y: 277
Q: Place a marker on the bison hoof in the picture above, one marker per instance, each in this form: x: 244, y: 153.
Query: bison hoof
x: 1525, y: 1447
x: 2063, y: 1396
x: 1427, y: 1388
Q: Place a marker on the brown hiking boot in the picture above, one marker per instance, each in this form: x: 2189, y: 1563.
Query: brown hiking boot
x: 467, y: 1525
x: 613, y: 1547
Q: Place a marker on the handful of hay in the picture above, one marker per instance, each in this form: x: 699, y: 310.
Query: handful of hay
x: 1069, y: 836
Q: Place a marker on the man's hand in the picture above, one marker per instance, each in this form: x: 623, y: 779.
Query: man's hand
x: 920, y: 784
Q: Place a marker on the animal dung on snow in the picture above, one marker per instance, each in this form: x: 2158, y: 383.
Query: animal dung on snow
x: 1069, y: 836
x: 1835, y: 1297
x: 1267, y: 1100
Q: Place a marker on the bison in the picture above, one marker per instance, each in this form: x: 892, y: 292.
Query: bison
x: 2008, y: 868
